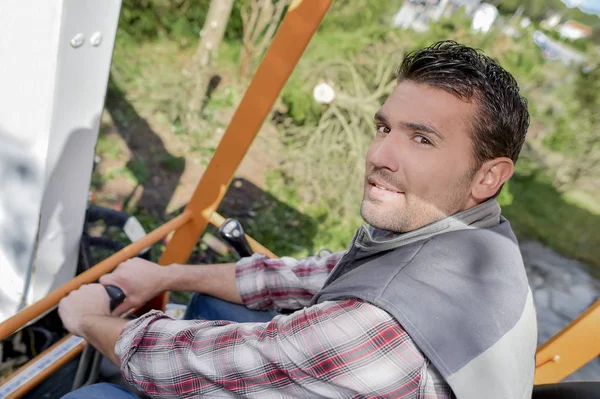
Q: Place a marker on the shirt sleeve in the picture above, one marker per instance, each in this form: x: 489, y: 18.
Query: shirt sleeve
x: 334, y: 349
x: 283, y: 283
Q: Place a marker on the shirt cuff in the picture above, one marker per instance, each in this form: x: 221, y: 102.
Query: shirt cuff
x: 132, y: 334
x: 250, y: 282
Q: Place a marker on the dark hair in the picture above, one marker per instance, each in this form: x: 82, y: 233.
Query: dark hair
x: 502, y: 119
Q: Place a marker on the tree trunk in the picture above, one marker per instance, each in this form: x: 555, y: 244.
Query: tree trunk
x: 260, y: 19
x: 210, y: 40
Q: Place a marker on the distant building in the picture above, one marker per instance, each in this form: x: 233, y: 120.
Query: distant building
x: 484, y: 18
x: 574, y: 30
x: 418, y: 14
x: 470, y: 6
x: 553, y: 50
x: 551, y: 22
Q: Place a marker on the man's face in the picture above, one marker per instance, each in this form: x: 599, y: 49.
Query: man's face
x: 419, y: 167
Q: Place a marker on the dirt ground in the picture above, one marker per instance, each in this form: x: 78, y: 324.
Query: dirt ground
x: 168, y: 189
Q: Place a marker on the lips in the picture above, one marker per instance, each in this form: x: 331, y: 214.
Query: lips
x: 382, y: 185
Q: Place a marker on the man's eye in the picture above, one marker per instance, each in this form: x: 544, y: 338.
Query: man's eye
x: 422, y: 140
x: 382, y: 129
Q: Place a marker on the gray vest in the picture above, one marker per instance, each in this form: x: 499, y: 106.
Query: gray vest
x: 460, y: 291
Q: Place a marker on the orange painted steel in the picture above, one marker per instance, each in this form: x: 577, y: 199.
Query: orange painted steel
x: 570, y: 349
x: 38, y: 378
x: 217, y: 220
x: 297, y: 28
x: 46, y: 304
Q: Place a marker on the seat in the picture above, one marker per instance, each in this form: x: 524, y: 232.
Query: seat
x: 567, y: 390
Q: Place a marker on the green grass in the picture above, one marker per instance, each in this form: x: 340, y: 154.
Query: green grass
x: 137, y: 166
x: 170, y: 162
x: 107, y: 147
x: 567, y: 223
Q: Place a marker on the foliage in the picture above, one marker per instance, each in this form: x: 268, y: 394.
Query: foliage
x: 330, y: 154
x: 576, y: 139
x: 179, y: 20
x: 350, y: 15
x: 538, y: 211
x: 260, y: 20
x: 539, y: 9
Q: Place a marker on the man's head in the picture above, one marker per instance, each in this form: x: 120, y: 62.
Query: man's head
x: 447, y: 138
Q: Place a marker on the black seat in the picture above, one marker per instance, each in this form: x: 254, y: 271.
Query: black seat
x: 568, y: 390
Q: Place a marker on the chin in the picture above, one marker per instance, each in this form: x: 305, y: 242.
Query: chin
x: 383, y: 219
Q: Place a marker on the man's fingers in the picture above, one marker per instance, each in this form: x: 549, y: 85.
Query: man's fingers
x: 107, y: 279
x: 122, y: 308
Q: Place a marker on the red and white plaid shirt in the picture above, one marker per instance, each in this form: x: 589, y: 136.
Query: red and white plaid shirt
x: 341, y: 349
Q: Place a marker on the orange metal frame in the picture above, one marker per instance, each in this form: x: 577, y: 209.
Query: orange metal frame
x: 566, y: 352
x: 570, y: 349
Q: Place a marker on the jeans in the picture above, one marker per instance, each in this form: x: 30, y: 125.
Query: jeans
x: 200, y: 307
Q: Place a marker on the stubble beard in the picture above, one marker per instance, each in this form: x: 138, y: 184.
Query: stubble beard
x: 416, y: 215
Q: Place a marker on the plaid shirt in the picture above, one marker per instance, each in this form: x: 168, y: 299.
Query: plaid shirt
x: 341, y: 349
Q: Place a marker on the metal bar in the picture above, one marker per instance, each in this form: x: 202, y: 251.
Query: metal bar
x: 570, y: 349
x: 29, y: 381
x: 217, y: 220
x: 42, y: 306
x: 297, y: 28
x: 55, y: 363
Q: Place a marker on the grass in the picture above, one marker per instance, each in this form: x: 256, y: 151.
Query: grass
x: 107, y: 147
x: 568, y: 223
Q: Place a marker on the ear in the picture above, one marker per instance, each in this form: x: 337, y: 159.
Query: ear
x: 491, y: 176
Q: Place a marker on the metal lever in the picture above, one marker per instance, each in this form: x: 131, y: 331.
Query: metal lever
x: 233, y: 233
x: 116, y: 297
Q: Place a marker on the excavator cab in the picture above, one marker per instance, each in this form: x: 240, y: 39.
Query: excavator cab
x: 79, y: 48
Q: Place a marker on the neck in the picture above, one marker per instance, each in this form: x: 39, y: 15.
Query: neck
x: 484, y: 215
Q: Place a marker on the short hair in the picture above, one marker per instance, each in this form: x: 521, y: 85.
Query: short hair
x: 502, y: 118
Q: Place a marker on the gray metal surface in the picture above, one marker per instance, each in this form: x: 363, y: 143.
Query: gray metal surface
x: 56, y: 58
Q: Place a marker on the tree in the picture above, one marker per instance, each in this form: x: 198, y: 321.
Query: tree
x: 211, y: 36
x: 595, y: 36
x: 587, y: 157
x: 260, y: 19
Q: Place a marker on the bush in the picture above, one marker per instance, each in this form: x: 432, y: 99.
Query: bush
x: 179, y: 20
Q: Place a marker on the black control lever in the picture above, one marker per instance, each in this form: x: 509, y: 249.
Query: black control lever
x: 89, y: 354
x: 116, y: 295
x: 233, y: 233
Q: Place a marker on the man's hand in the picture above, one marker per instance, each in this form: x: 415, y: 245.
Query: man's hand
x: 139, y: 279
x: 89, y: 300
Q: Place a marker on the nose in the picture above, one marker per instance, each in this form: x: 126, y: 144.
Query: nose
x: 385, y: 153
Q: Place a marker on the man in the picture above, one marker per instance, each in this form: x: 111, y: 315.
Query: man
x: 430, y: 301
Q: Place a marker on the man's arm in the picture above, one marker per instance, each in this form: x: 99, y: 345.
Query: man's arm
x: 214, y: 280
x: 257, y: 281
x: 142, y: 280
x: 283, y: 283
x: 333, y: 349
x: 85, y: 313
x: 102, y: 332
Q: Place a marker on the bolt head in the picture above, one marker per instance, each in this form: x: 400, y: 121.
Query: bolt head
x: 96, y: 39
x: 77, y: 40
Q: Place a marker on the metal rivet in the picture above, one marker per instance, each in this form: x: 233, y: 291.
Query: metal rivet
x: 96, y: 39
x: 77, y: 40
x: 556, y: 358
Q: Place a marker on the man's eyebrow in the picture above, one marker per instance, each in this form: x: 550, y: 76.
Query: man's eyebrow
x: 379, y: 116
x: 422, y: 127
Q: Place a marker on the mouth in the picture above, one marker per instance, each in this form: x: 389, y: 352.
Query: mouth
x: 380, y: 189
x: 383, y: 186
